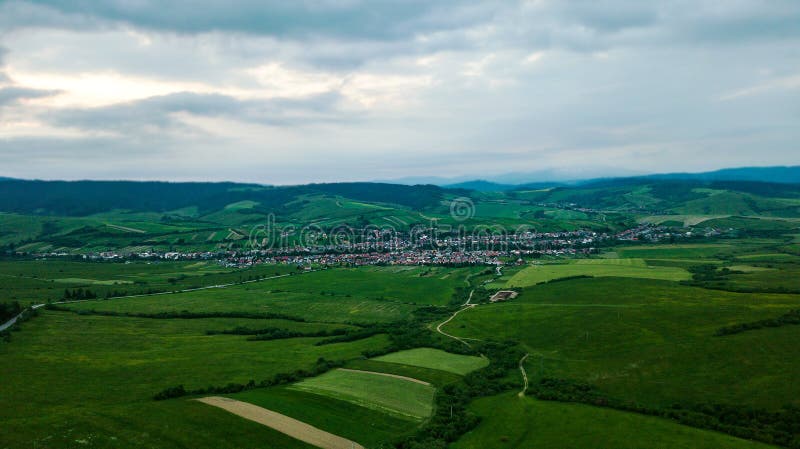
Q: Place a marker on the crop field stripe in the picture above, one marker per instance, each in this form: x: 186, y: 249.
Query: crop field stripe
x: 396, y: 376
x: 282, y: 423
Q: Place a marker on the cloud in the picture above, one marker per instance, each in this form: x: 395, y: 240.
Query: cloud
x: 350, y: 19
x: 395, y: 88
x: 3, y: 77
x: 163, y: 113
x: 9, y: 95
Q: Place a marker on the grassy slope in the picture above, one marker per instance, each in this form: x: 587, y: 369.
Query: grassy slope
x: 365, y: 294
x: 513, y: 422
x: 435, y: 359
x: 45, y: 280
x: 70, y: 377
x: 649, y: 341
x: 392, y: 395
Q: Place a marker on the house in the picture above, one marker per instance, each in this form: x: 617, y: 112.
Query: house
x: 503, y: 295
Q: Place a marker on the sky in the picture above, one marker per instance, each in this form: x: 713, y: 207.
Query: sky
x: 281, y: 92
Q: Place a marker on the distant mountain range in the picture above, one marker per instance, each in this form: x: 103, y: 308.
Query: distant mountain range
x: 786, y: 175
x: 80, y: 198
x: 512, y: 181
x: 488, y: 186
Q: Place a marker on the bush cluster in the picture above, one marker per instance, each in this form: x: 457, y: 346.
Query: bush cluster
x: 788, y: 318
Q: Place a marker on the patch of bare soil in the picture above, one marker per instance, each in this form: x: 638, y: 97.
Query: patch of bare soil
x: 282, y: 423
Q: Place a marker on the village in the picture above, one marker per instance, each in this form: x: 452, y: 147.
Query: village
x: 374, y: 247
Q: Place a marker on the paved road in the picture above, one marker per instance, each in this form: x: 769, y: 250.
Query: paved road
x: 11, y: 322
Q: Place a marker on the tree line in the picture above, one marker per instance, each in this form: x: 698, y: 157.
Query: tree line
x: 789, y: 318
x: 184, y: 314
x: 320, y: 367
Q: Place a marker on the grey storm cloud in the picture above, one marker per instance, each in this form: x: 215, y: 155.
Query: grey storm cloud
x: 159, y: 112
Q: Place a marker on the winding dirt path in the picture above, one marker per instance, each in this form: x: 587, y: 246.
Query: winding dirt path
x: 282, y: 423
x: 462, y: 340
x: 524, y: 376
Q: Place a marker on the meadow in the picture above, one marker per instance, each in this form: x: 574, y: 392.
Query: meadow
x: 647, y: 341
x: 92, y: 378
x: 334, y: 295
x: 36, y: 281
x: 513, y: 422
x: 634, y: 268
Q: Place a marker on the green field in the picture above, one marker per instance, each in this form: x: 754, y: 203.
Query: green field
x: 648, y: 341
x: 513, y: 422
x: 682, y: 251
x: 367, y: 426
x: 435, y: 359
x: 34, y: 281
x: 702, y: 327
x: 395, y: 396
x: 634, y: 268
x: 335, y: 295
x: 68, y: 377
x: 435, y: 377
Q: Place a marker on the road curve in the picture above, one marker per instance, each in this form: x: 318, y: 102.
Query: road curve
x: 462, y: 340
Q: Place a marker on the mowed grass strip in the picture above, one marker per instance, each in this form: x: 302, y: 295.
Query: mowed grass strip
x: 630, y: 268
x: 436, y: 359
x: 389, y: 394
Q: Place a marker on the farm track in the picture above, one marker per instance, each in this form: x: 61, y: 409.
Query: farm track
x: 461, y: 339
x: 524, y: 376
x: 396, y: 376
x: 282, y: 423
